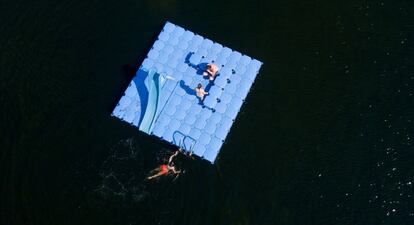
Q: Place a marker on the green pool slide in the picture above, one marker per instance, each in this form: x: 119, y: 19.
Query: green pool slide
x: 154, y: 83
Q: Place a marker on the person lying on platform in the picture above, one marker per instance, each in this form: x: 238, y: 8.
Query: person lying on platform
x: 165, y: 169
x: 211, y: 71
x: 200, y: 92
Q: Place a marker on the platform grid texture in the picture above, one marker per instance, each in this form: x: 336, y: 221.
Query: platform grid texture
x: 180, y: 119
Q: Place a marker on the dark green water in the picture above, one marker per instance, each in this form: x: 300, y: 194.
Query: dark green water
x: 325, y: 136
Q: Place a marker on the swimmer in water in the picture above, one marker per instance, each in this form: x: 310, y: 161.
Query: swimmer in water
x: 165, y: 169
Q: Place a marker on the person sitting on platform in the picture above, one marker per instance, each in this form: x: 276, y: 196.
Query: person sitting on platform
x: 211, y: 71
x: 165, y: 169
x: 200, y: 92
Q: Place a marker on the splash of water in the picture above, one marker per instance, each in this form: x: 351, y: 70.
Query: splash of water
x: 122, y: 173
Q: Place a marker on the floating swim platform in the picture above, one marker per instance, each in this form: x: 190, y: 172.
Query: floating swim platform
x: 161, y: 101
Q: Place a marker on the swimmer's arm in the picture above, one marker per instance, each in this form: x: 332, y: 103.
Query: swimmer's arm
x: 153, y: 176
x: 176, y: 171
x: 171, y: 157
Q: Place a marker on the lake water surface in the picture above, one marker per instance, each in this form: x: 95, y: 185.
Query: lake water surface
x: 324, y: 137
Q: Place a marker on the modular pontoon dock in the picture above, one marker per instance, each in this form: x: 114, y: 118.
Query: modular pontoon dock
x: 161, y: 101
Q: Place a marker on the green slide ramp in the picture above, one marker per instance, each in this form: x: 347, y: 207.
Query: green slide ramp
x: 153, y: 99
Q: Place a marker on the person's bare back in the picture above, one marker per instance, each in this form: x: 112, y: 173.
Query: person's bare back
x: 211, y: 71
